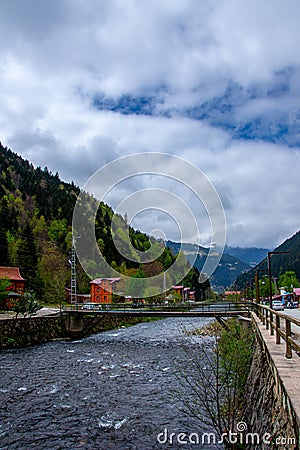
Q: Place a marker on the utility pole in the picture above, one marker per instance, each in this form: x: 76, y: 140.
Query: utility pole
x: 73, y: 275
x: 257, y: 293
x: 270, y: 274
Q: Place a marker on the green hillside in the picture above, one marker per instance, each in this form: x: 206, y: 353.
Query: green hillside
x: 36, y: 209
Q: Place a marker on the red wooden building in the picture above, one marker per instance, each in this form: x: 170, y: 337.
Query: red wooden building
x: 184, y: 293
x: 192, y: 295
x: 178, y: 290
x: 17, y: 282
x: 102, y: 289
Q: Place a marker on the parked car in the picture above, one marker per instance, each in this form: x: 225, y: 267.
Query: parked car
x: 292, y: 304
x: 92, y: 307
x: 137, y: 305
x: 277, y: 305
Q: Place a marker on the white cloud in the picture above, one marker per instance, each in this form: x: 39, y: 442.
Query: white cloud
x: 56, y: 56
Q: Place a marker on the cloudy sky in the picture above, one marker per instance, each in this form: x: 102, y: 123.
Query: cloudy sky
x: 84, y: 82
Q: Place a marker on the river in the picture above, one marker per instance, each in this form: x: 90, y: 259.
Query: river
x: 113, y: 390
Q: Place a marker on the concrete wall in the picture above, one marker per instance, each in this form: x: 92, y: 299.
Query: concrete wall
x: 268, y: 408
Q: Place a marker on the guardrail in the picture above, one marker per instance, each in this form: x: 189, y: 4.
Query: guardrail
x: 280, y: 326
x: 180, y: 307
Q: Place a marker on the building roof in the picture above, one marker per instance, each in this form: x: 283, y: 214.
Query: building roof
x: 13, y: 273
x: 99, y: 280
x: 277, y: 297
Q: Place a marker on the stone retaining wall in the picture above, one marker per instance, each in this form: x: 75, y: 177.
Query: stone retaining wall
x: 15, y: 333
x: 29, y: 331
x: 269, y: 411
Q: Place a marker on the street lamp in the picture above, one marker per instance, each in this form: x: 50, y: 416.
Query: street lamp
x: 257, y: 283
x: 270, y: 274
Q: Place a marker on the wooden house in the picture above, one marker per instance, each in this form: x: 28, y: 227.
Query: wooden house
x: 184, y: 293
x: 17, y: 282
x: 102, y: 289
x: 192, y: 295
x: 296, y: 292
x: 179, y: 290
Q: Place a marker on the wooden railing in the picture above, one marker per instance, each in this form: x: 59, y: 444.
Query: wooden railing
x: 280, y: 326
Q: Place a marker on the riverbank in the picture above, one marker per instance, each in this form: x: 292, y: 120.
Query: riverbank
x: 112, y: 390
x: 23, y: 332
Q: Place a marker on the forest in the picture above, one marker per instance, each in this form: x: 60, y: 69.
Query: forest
x: 36, y: 209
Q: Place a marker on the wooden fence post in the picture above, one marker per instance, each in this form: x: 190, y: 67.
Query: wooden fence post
x: 277, y: 330
x: 288, y: 352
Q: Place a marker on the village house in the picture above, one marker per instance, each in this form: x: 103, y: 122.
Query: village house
x: 184, y: 293
x: 178, y: 290
x: 102, y: 289
x: 296, y: 292
x: 17, y: 282
x: 192, y: 295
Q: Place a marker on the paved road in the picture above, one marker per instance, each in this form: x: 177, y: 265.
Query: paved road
x: 293, y: 313
x: 40, y: 313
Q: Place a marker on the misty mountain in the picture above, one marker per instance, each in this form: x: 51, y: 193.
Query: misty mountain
x: 229, y: 267
x: 249, y: 255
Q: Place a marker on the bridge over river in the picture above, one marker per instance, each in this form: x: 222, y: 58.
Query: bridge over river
x: 181, y: 310
x: 75, y: 318
x: 108, y: 381
x: 277, y: 375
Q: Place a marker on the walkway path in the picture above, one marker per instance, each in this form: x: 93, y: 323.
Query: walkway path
x: 42, y: 312
x: 288, y: 369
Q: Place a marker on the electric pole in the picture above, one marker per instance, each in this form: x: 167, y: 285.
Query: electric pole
x: 73, y: 275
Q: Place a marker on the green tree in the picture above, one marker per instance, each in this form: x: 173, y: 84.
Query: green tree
x: 54, y: 272
x: 58, y: 231
x: 211, y: 388
x: 40, y: 231
x: 288, y: 280
x: 27, y: 255
x: 14, y: 242
x: 4, y: 284
x: 27, y: 304
x: 264, y: 287
x: 101, y: 245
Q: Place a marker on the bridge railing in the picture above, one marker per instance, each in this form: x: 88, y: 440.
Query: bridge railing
x: 280, y: 326
x: 184, y: 307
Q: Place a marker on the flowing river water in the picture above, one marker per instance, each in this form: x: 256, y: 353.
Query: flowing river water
x: 113, y: 390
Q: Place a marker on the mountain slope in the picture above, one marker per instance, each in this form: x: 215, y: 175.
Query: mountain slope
x: 280, y: 263
x: 248, y: 255
x: 229, y: 267
x: 36, y: 210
